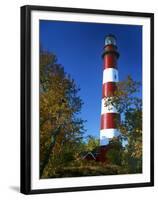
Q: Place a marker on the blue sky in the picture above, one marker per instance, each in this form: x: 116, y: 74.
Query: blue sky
x: 78, y: 47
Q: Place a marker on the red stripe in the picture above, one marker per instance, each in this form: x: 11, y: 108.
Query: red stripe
x: 109, y: 89
x: 110, y: 61
x: 109, y: 120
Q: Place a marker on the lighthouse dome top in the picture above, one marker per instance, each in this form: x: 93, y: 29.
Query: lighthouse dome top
x: 110, y: 40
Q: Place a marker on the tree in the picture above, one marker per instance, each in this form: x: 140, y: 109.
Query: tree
x: 129, y: 104
x: 60, y: 126
x: 114, y: 154
x: 92, y: 143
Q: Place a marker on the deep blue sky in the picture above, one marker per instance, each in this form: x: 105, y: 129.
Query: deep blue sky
x: 78, y: 47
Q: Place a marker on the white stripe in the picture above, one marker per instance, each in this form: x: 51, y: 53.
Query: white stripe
x: 110, y: 75
x: 109, y: 133
x: 108, y: 108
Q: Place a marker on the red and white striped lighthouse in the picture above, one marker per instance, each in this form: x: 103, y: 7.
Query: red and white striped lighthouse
x: 109, y: 113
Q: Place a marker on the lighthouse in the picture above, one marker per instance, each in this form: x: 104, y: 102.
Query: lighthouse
x: 109, y: 113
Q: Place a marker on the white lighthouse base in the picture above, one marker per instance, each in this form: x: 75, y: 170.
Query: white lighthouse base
x: 107, y: 134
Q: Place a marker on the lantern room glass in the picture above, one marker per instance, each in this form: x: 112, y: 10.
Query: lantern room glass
x: 110, y: 40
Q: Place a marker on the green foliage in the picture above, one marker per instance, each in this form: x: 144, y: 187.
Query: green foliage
x: 92, y: 143
x: 114, y: 154
x: 129, y: 105
x: 59, y: 106
x: 87, y: 168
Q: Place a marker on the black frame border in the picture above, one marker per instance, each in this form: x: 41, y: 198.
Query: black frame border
x: 25, y: 140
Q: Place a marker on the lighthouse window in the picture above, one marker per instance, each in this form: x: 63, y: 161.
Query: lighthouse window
x: 110, y: 40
